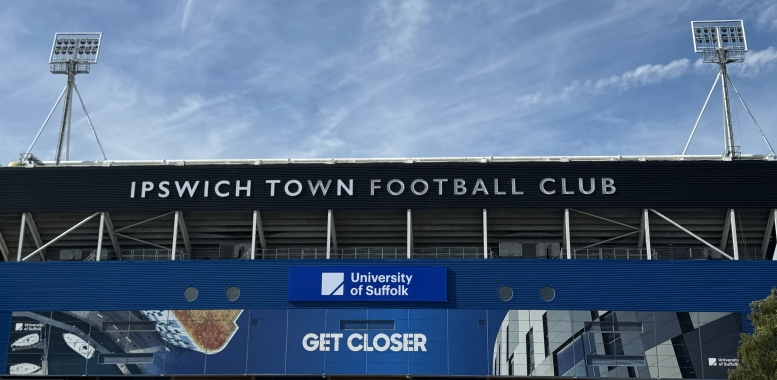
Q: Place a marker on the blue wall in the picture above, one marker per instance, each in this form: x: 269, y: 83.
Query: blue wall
x: 472, y: 284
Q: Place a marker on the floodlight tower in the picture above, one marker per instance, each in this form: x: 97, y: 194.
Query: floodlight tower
x: 721, y: 42
x: 71, y: 54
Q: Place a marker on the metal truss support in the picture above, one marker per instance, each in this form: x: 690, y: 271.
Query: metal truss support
x: 184, y: 233
x: 145, y: 221
x: 331, y: 236
x: 100, y: 236
x: 21, y: 237
x: 409, y: 233
x: 257, y: 228
x: 175, y: 236
x: 4, y: 249
x: 112, y: 234
x: 175, y: 233
x: 611, y: 221
x: 646, y: 225
x: 770, y: 225
x: 485, y: 233
x: 142, y: 241
x: 565, y: 234
x: 730, y: 226
x: 29, y: 222
x: 714, y: 248
x: 611, y: 239
x: 54, y: 240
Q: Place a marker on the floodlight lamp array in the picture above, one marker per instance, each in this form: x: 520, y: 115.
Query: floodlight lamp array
x: 713, y: 37
x: 76, y: 48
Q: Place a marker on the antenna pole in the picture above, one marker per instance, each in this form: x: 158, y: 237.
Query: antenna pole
x: 64, y: 129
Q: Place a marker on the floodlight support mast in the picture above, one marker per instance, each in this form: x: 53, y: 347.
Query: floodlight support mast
x: 67, y: 111
x: 729, y: 153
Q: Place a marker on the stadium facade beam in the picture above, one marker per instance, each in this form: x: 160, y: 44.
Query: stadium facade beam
x: 565, y: 234
x: 112, y: 234
x: 184, y: 233
x: 257, y: 228
x: 331, y: 237
x: 43, y: 247
x: 646, y: 224
x: 768, y: 233
x: 4, y: 249
x: 175, y: 236
x: 485, y: 234
x: 29, y: 222
x: 724, y: 234
x: 409, y: 233
x: 100, y: 236
x: 714, y: 248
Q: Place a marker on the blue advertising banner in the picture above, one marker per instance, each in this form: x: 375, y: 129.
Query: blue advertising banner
x: 368, y: 283
x: 372, y: 342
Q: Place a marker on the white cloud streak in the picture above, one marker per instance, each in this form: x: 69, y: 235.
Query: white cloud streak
x: 641, y: 76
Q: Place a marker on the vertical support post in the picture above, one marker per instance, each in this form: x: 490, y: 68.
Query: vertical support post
x: 175, y: 235
x: 734, y: 234
x: 728, y: 129
x: 646, y: 220
x: 4, y: 249
x: 485, y: 234
x: 774, y: 254
x: 21, y: 237
x: 409, y: 233
x: 329, y: 235
x: 100, y: 236
x: 641, y: 239
x: 567, y: 237
x: 768, y: 233
x: 253, y: 238
x: 64, y: 129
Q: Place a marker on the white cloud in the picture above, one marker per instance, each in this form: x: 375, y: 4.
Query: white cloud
x: 641, y: 76
x: 402, y: 21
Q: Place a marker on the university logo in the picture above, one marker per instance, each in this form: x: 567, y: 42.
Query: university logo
x: 332, y: 284
x: 19, y: 326
x: 713, y: 362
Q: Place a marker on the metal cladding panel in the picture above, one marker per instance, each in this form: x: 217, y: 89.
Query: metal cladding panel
x: 655, y: 184
x: 472, y: 284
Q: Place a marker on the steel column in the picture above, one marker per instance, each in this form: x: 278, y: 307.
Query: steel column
x: 4, y: 249
x: 734, y: 241
x: 175, y: 236
x: 100, y: 236
x: 767, y: 233
x: 485, y: 234
x: 726, y: 228
x: 184, y: 233
x: 646, y: 220
x: 329, y: 228
x: 566, y: 234
x: 253, y: 236
x: 112, y: 234
x: 409, y: 233
x: 35, y: 235
x: 21, y: 237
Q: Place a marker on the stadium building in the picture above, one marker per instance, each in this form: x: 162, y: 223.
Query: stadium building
x: 430, y: 268
x: 625, y: 267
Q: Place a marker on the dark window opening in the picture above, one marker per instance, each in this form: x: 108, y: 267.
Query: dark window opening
x: 367, y: 324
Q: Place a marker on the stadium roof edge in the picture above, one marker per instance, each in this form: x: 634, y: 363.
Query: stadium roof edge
x: 274, y: 161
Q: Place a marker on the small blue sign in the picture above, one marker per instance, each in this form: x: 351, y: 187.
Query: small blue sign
x: 368, y: 283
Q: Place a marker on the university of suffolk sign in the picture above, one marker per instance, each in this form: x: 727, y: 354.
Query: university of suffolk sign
x: 391, y: 186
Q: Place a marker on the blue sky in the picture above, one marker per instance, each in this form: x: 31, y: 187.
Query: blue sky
x: 296, y: 79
